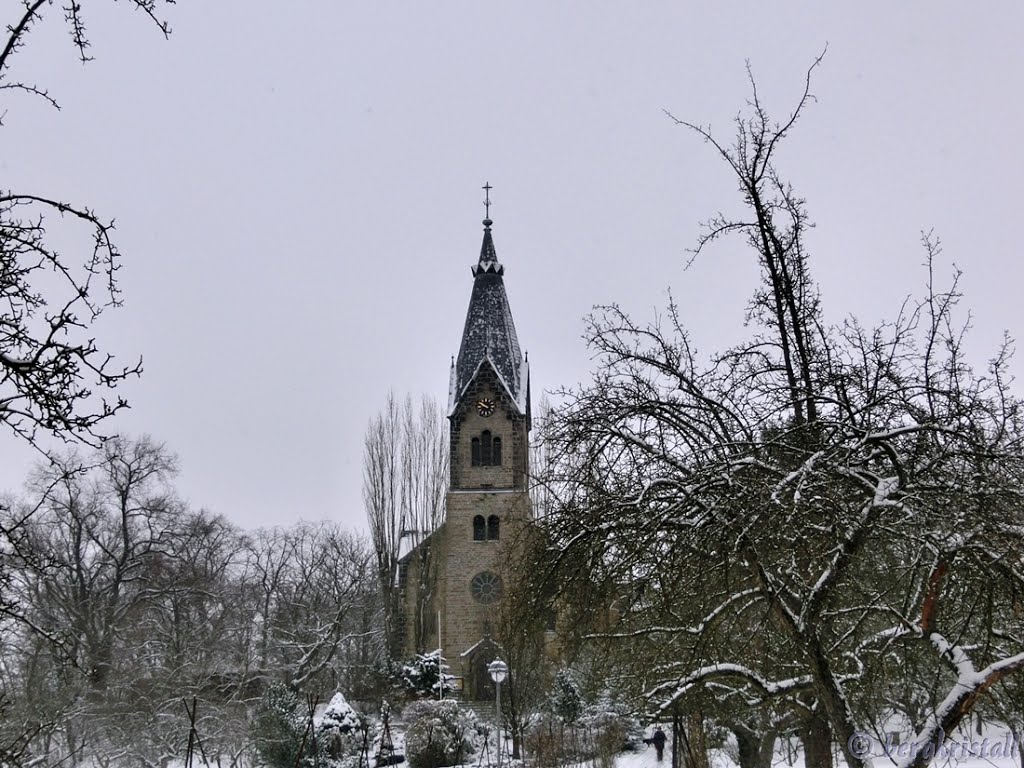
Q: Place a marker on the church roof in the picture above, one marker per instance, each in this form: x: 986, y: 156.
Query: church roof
x: 489, y: 334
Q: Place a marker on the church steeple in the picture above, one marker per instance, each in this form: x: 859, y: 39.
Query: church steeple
x: 488, y: 256
x: 490, y: 333
x: 453, y: 582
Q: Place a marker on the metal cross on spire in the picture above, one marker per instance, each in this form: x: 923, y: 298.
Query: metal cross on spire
x: 487, y: 199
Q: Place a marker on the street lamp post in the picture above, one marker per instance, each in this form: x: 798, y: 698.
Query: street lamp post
x: 498, y: 671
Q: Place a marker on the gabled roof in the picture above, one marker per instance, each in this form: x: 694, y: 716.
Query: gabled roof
x: 407, y: 544
x: 490, y: 333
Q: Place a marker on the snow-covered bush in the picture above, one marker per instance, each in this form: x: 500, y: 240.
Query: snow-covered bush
x: 279, y: 731
x: 424, y: 674
x: 341, y: 734
x: 278, y: 727
x: 570, y: 731
x: 550, y: 742
x: 339, y: 716
x: 565, y: 700
x: 439, y: 734
x: 611, y: 723
x: 553, y: 738
x: 608, y: 734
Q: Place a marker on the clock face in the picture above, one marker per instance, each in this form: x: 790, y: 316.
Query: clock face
x: 485, y: 406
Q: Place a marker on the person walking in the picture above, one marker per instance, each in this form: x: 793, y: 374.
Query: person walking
x: 659, y: 740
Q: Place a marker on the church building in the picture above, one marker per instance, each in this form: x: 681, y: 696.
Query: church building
x: 454, y: 581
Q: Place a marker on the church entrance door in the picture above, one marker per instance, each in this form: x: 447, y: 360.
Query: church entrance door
x: 480, y: 685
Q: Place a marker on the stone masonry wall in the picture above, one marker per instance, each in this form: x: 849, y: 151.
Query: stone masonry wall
x: 493, y: 490
x: 505, y: 423
x: 464, y: 621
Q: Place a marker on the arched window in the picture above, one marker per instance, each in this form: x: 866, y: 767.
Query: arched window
x: 485, y: 448
x: 478, y: 528
x: 485, y: 451
x: 492, y: 527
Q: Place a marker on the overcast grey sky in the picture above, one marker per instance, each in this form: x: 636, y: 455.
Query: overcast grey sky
x: 297, y: 191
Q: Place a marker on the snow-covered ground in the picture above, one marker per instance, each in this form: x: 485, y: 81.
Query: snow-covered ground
x: 986, y: 755
x: 786, y: 756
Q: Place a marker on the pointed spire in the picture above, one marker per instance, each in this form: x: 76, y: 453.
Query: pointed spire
x: 489, y: 335
x: 488, y: 263
x: 488, y: 255
x: 487, y: 252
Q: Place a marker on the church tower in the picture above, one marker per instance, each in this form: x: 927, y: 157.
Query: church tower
x: 488, y: 500
x: 454, y: 582
x: 489, y: 389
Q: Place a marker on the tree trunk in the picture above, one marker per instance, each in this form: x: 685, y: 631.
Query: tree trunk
x: 676, y: 731
x: 695, y: 751
x: 392, y: 624
x: 99, y: 661
x: 817, y: 738
x: 755, y: 749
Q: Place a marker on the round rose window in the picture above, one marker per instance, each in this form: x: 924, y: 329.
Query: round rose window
x: 486, y: 587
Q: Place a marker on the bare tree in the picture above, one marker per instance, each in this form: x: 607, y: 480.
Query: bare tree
x: 405, y: 477
x: 313, y: 586
x: 522, y: 632
x: 787, y: 305
x: 812, y: 525
x: 84, y: 576
x: 101, y: 522
x: 123, y: 601
x: 542, y: 496
x: 55, y: 379
x: 53, y: 375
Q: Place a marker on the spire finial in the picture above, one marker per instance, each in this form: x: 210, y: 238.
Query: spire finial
x: 487, y: 203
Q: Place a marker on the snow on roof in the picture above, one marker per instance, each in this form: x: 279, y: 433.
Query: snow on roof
x: 489, y: 333
x: 478, y: 644
x: 412, y: 540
